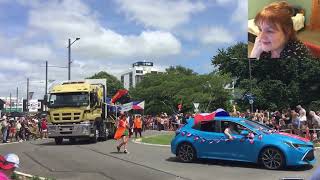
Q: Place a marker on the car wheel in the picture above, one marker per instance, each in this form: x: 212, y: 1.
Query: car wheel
x: 272, y: 158
x: 186, y: 152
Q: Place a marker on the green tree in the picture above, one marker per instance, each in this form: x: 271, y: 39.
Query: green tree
x: 276, y: 84
x: 163, y: 92
x: 113, y: 84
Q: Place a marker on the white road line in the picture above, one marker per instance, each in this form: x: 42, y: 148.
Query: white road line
x: 2, y: 144
x: 138, y: 141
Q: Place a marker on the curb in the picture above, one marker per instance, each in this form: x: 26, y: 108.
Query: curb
x: 138, y: 141
x: 2, y: 144
x: 27, y: 175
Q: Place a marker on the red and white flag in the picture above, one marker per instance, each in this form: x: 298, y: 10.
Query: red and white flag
x: 204, y: 117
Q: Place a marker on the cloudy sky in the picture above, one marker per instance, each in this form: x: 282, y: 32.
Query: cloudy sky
x: 114, y: 34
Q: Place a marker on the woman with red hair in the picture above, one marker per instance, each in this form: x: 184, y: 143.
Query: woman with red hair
x: 277, y: 37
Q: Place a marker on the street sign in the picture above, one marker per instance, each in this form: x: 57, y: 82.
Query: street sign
x: 196, y: 106
x: 251, y: 101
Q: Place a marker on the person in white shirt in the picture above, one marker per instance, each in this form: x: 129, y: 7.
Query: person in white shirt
x: 302, y: 114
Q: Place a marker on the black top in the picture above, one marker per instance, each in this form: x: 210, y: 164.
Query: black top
x: 294, y: 49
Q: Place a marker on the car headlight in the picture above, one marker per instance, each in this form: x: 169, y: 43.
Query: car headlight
x: 294, y: 145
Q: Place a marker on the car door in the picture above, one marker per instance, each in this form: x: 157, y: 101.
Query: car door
x: 207, y: 141
x: 240, y: 147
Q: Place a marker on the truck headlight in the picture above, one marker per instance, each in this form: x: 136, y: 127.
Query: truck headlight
x: 85, y: 122
x: 85, y: 129
x: 51, y: 128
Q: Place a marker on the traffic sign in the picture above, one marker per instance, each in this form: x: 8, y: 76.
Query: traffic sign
x: 250, y: 101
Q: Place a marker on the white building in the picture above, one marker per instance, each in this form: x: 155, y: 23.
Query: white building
x: 135, y: 74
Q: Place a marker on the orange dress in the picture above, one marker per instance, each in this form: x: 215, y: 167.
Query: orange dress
x: 121, y: 129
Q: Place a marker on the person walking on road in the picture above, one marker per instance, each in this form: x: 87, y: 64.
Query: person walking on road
x: 122, y: 133
x: 137, y: 125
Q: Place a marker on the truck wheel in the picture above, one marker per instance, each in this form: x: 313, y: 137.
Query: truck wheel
x: 103, y: 132
x: 58, y: 140
x: 72, y: 140
x: 111, y: 130
x: 94, y: 139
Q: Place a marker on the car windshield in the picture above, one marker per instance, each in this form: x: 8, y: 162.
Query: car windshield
x: 69, y: 99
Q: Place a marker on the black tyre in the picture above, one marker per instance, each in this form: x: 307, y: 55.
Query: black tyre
x: 272, y: 158
x: 58, y: 140
x: 103, y: 132
x: 72, y: 140
x: 94, y: 139
x: 186, y: 153
x: 111, y: 130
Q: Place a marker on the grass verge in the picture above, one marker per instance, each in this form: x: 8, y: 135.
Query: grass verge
x: 163, y: 139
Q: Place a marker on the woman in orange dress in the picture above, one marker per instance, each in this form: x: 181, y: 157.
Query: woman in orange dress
x: 122, y: 133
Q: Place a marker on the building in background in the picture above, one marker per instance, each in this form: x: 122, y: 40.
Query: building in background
x: 34, y: 105
x: 14, y: 107
x: 135, y: 74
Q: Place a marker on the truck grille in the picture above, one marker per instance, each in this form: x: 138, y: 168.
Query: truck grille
x: 309, y: 156
x: 66, y: 116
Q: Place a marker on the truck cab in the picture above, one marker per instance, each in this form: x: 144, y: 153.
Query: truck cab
x: 77, y: 109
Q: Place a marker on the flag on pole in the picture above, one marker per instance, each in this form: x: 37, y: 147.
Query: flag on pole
x: 138, y: 105
x: 126, y: 107
x: 119, y: 94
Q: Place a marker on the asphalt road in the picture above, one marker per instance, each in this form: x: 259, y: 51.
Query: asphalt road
x: 101, y: 161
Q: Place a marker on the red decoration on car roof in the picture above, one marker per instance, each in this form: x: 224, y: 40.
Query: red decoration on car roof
x: 204, y: 117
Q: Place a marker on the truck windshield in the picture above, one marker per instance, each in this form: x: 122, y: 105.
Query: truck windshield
x: 69, y: 99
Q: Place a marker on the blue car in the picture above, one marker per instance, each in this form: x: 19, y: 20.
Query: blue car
x: 250, y: 142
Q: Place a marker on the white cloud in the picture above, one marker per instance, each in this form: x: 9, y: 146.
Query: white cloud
x: 37, y: 52
x: 164, y: 14
x: 240, y: 15
x: 224, y: 2
x: 13, y: 64
x: 66, y: 20
x: 215, y: 35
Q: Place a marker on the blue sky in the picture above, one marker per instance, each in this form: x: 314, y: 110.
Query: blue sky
x: 114, y: 34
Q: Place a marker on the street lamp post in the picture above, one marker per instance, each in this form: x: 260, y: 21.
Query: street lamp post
x: 250, y: 76
x: 69, y: 56
x: 250, y: 79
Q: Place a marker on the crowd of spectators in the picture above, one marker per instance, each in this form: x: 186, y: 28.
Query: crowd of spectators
x: 292, y: 120
x: 15, y: 129
x: 296, y: 121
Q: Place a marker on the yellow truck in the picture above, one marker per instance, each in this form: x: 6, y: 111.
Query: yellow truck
x: 78, y: 109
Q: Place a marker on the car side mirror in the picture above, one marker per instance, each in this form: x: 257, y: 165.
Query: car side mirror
x: 244, y: 133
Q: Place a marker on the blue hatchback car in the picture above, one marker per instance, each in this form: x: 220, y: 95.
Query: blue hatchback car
x: 252, y: 142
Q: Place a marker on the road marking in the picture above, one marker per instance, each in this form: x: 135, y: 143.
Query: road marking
x: 135, y: 163
x: 28, y: 175
x: 138, y: 141
x: 2, y: 144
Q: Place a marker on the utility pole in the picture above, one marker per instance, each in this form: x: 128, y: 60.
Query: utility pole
x: 17, y: 101
x: 27, y: 104
x: 46, y: 88
x: 250, y: 76
x: 69, y: 59
x: 69, y: 56
x: 10, y: 103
